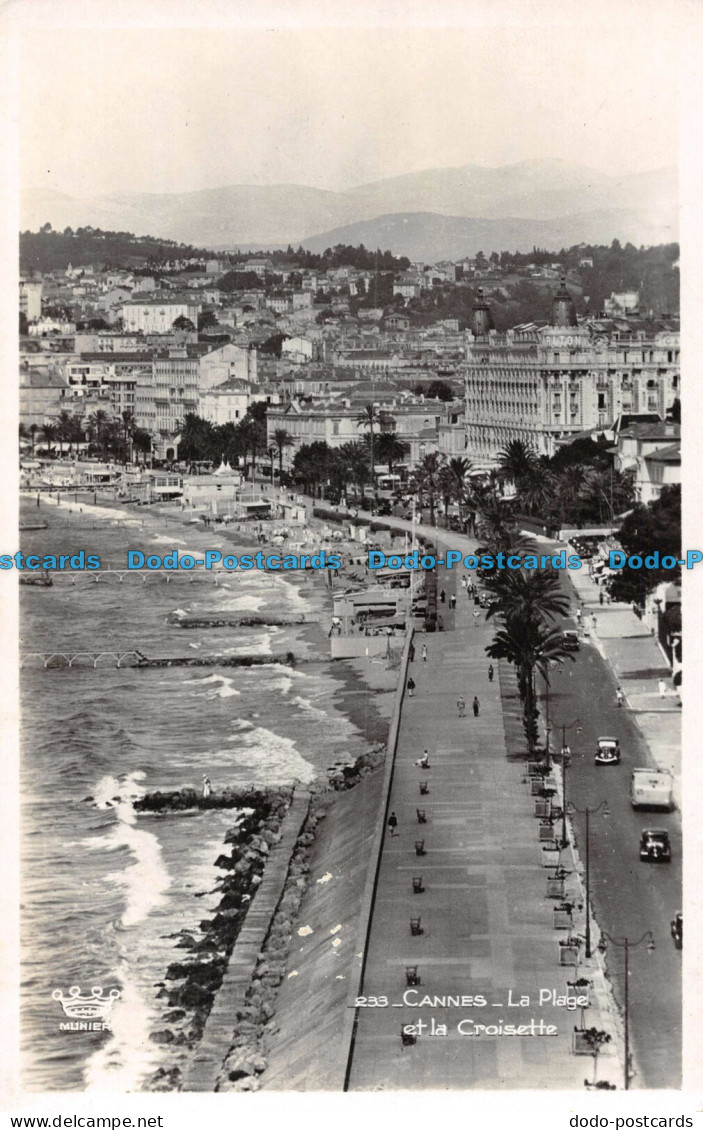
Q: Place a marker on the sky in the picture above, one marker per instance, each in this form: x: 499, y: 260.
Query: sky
x: 146, y: 109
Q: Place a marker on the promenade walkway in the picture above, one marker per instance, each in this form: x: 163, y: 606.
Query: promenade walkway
x: 487, y: 925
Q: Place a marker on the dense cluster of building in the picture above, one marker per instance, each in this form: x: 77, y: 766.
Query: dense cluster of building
x: 164, y: 348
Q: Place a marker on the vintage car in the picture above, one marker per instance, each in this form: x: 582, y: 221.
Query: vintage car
x: 608, y: 751
x: 655, y: 846
x: 570, y: 640
x: 677, y: 930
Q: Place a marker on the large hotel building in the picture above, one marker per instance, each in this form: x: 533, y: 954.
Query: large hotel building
x: 540, y: 384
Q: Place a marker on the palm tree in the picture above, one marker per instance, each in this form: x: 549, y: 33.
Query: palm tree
x: 49, y: 434
x: 96, y: 424
x: 141, y: 441
x: 33, y: 429
x: 391, y: 450
x: 535, y: 492
x: 529, y: 645
x: 282, y: 440
x: 368, y: 419
x: 516, y: 461
x: 356, y: 460
x: 528, y: 594
x: 271, y: 453
x: 427, y: 480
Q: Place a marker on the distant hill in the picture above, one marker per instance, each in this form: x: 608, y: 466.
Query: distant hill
x: 53, y: 250
x: 427, y: 237
x: 641, y: 208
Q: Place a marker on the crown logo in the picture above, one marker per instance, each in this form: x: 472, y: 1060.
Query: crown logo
x: 93, y: 1007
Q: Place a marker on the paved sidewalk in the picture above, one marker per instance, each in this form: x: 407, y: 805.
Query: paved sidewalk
x: 639, y: 665
x: 487, y: 925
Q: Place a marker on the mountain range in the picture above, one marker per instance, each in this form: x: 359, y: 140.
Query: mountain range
x: 437, y: 213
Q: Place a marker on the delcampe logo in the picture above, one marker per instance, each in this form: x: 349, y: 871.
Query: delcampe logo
x: 89, y: 1013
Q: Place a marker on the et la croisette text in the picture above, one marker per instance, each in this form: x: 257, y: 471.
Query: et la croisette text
x: 213, y: 559
x: 478, y: 1024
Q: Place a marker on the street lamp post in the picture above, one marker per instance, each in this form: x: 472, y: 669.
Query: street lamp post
x: 565, y: 755
x: 627, y: 945
x: 587, y: 813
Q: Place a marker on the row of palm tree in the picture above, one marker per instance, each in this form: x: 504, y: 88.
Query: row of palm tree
x: 577, y: 493
x: 104, y: 435
x: 525, y: 601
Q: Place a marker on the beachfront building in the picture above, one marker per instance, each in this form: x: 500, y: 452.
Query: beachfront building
x: 540, y: 384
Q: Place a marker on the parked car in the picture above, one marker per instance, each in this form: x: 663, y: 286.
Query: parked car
x: 570, y: 640
x: 677, y: 930
x: 655, y: 846
x: 608, y: 751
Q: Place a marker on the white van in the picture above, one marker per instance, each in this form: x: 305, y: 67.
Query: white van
x: 652, y: 788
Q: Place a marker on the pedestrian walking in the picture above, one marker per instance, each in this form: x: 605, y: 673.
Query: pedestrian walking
x: 207, y: 787
x: 594, y: 623
x: 619, y: 696
x: 452, y: 601
x: 424, y: 761
x: 393, y: 824
x: 442, y: 596
x: 424, y: 653
x: 600, y: 597
x: 578, y: 617
x: 662, y: 688
x: 461, y: 707
x: 476, y: 706
x: 411, y: 653
x: 411, y: 687
x: 463, y: 580
x: 490, y: 672
x: 477, y: 613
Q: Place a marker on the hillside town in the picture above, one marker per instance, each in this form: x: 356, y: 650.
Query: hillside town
x: 207, y: 359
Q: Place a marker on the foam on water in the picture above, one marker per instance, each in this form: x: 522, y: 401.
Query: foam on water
x: 129, y: 1056
x: 272, y: 758
x: 225, y: 689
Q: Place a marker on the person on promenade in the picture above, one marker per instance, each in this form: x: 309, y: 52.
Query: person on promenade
x: 411, y: 653
x: 393, y: 824
x: 452, y: 601
x: 463, y: 580
x: 477, y: 613
x: 619, y: 696
x: 411, y: 687
x: 490, y: 672
x: 578, y: 617
x: 461, y: 707
x: 424, y: 761
x: 476, y: 706
x: 207, y: 787
x: 600, y: 597
x: 442, y: 596
x: 424, y: 653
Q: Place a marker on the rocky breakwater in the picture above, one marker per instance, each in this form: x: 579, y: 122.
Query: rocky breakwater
x: 255, y: 1025
x: 190, y: 985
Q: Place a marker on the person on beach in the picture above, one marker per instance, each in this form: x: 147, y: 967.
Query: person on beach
x: 424, y: 653
x: 393, y: 824
x: 476, y: 706
x: 490, y: 672
x: 207, y: 787
x: 411, y: 687
x: 461, y: 707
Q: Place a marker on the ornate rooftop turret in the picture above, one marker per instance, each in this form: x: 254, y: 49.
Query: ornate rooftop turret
x: 563, y: 309
x: 481, y: 317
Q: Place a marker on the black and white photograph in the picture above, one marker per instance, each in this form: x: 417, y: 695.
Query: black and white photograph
x: 343, y: 568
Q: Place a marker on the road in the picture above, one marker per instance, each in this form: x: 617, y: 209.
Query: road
x: 628, y: 897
